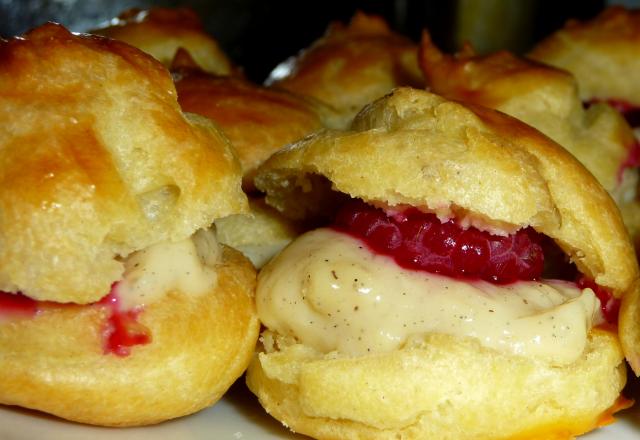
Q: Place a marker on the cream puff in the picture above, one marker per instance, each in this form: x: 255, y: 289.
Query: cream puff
x: 351, y: 65
x: 547, y: 99
x: 604, y: 55
x: 118, y: 306
x: 162, y: 31
x: 423, y: 310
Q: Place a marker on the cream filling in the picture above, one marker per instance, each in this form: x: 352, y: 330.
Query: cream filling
x: 331, y: 293
x: 187, y: 266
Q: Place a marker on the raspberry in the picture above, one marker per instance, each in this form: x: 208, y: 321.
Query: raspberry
x: 122, y: 330
x: 471, y: 257
x: 418, y: 240
x: 516, y: 256
x: 382, y: 233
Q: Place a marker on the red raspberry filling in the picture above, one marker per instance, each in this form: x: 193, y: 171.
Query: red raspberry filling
x: 418, y: 240
x: 122, y: 330
x: 16, y: 304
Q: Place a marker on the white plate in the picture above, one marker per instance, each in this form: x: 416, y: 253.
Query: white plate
x: 236, y: 417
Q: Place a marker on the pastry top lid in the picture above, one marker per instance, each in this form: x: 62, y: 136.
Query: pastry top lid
x: 351, y: 65
x: 414, y: 148
x: 603, y: 54
x: 542, y: 96
x: 162, y: 31
x: 97, y: 161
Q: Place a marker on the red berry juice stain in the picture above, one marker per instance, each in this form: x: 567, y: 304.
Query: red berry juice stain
x: 17, y: 305
x: 122, y: 330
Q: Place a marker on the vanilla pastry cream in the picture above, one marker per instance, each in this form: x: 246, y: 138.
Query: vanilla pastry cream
x: 187, y: 266
x: 333, y: 294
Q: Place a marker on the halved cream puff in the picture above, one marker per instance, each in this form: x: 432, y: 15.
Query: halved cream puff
x: 118, y: 305
x: 423, y: 309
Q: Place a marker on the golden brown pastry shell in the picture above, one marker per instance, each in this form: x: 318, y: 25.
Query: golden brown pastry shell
x: 547, y: 99
x: 602, y: 53
x: 541, y: 96
x: 97, y: 161
x: 55, y: 362
x: 351, y: 65
x: 441, y: 387
x: 257, y: 120
x: 160, y: 32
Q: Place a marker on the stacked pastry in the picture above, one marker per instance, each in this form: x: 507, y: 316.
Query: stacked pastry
x: 118, y: 305
x: 423, y: 310
x: 547, y: 99
x: 351, y: 65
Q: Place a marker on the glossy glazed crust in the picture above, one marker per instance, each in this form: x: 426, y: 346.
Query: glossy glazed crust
x: 97, y: 161
x: 547, y: 99
x: 439, y: 388
x: 415, y: 148
x: 162, y: 31
x: 257, y: 120
x: 352, y: 65
x: 200, y: 345
x: 603, y: 54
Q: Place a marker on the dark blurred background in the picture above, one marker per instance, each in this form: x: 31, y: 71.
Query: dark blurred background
x: 259, y: 34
